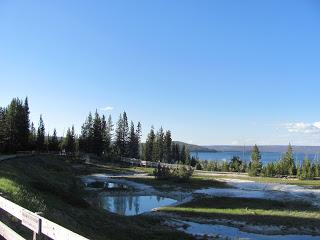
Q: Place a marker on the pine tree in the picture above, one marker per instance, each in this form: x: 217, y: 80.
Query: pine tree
x: 148, y: 151
x: 12, y: 119
x: 32, y: 138
x: 14, y: 123
x: 176, y: 156
x: 2, y: 130
x: 119, y: 149
x: 97, y: 143
x: 41, y: 135
x: 132, y: 140
x: 69, y: 143
x: 183, y: 156
x: 104, y: 133
x: 86, y: 137
x: 122, y: 136
x: 47, y: 142
x: 288, y: 164
x: 108, y: 136
x: 158, y: 148
x: 306, y: 170
x: 235, y: 164
x: 255, y: 164
x: 138, y: 141
x: 160, y: 143
x: 54, y: 142
x: 125, y: 137
x: 167, y: 147
x: 25, y: 128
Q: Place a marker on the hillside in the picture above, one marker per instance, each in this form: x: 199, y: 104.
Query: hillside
x: 196, y: 148
x: 50, y: 184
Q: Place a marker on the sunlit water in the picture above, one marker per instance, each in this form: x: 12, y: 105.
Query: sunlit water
x: 246, y: 156
x: 235, y: 233
x: 133, y: 205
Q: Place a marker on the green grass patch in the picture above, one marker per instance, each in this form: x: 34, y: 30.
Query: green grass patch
x: 169, y: 184
x: 311, y: 183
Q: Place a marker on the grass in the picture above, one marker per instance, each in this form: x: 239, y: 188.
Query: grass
x: 255, y: 211
x: 50, y: 184
x: 112, y: 168
x: 170, y: 185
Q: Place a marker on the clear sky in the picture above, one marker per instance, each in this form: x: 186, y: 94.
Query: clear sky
x: 212, y: 71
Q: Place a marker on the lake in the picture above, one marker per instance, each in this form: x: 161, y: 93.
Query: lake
x: 265, y: 156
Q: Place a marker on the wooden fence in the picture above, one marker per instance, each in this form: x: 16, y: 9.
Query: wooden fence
x: 37, y: 224
x: 138, y: 162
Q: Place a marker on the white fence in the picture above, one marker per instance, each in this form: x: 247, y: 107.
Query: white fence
x: 37, y: 224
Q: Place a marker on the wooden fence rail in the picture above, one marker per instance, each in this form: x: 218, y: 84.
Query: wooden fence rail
x: 37, y: 224
x: 138, y: 162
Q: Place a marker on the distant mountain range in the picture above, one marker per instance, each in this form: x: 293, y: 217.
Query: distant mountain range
x: 264, y: 148
x: 238, y: 148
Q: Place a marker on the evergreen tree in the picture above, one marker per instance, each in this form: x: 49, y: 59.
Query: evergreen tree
x: 225, y: 166
x: 119, y: 148
x: 97, y: 143
x: 13, y: 128
x: 125, y: 132
x: 2, y: 130
x: 122, y: 136
x: 41, y: 135
x: 255, y: 164
x: 32, y: 138
x: 183, y: 155
x: 69, y: 143
x: 158, y: 149
x: 299, y: 171
x: 167, y: 147
x: 138, y: 141
x: 108, y: 136
x: 288, y: 164
x: 25, y: 125
x: 54, y: 142
x: 176, y: 153
x: 132, y: 141
x: 148, y: 154
x: 86, y: 137
x: 235, y: 164
x: 306, y: 170
x: 317, y: 169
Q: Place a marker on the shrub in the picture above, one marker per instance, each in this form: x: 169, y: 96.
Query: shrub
x: 181, y: 173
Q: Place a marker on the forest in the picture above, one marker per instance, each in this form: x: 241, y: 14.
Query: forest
x: 99, y: 136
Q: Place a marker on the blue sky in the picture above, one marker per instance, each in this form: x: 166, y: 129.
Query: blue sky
x: 214, y: 72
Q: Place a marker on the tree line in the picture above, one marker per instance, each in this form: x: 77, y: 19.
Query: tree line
x: 98, y: 136
x: 284, y: 167
x: 159, y: 147
x: 17, y: 133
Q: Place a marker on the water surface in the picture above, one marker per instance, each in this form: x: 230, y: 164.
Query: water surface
x: 235, y: 233
x: 246, y: 156
x: 133, y: 205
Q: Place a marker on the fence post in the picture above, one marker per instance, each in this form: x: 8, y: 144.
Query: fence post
x: 37, y: 236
